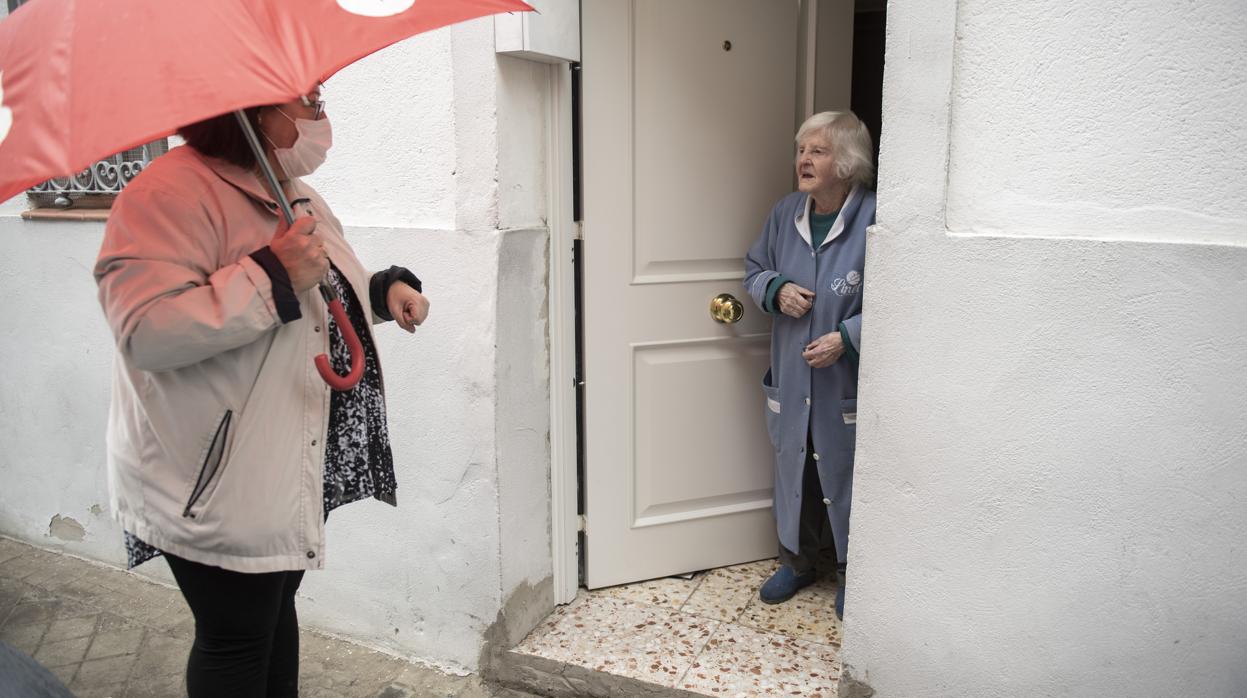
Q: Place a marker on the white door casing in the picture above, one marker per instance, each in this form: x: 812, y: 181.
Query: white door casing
x: 688, y: 110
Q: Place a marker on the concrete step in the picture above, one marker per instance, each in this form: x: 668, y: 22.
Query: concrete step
x: 547, y: 677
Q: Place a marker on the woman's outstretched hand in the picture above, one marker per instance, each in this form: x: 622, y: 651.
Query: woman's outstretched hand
x: 407, y: 306
x: 794, y: 301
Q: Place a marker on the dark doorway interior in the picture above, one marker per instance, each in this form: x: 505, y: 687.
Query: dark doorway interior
x: 869, y: 30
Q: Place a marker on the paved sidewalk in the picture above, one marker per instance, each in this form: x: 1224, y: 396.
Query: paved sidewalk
x: 105, y: 632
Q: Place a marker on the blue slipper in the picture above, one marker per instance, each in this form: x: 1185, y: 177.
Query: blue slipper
x: 784, y: 584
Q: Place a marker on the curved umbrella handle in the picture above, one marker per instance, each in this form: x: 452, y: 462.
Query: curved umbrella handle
x: 332, y: 379
x: 351, y: 379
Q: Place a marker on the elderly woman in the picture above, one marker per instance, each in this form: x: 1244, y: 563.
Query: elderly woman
x: 806, y: 268
x: 226, y: 451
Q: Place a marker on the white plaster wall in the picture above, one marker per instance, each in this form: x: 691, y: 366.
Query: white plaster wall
x: 54, y: 387
x: 1094, y: 119
x: 393, y: 160
x: 415, y: 177
x: 522, y: 361
x: 1051, y: 462
x: 523, y: 94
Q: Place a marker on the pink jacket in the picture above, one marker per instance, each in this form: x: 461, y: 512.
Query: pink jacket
x: 218, y: 418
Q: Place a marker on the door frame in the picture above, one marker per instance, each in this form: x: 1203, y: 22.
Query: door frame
x: 564, y: 439
x: 565, y: 520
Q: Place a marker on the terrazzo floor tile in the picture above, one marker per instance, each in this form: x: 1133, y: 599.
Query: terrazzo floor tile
x: 810, y: 615
x: 604, y: 634
x: 724, y: 593
x: 740, y: 661
x: 670, y: 592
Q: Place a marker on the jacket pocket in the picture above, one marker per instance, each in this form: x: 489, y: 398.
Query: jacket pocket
x: 773, y: 407
x: 213, y: 462
x: 848, y: 413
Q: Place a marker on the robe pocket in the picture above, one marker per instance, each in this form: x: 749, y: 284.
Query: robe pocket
x: 773, y: 406
x: 848, y: 411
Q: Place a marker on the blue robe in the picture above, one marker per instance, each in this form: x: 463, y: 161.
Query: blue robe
x: 803, y: 401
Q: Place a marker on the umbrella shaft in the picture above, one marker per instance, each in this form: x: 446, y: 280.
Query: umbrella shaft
x: 265, y: 167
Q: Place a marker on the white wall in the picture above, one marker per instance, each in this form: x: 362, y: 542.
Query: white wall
x: 1051, y: 463
x: 438, y: 165
x: 1122, y: 119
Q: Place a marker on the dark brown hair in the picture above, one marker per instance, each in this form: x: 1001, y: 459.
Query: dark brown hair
x: 221, y: 137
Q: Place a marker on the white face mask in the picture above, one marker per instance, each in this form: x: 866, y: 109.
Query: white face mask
x: 310, y: 147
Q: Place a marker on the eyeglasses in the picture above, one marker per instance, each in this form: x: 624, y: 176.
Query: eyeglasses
x: 317, y: 105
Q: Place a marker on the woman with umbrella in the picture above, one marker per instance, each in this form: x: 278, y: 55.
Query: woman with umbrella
x: 226, y: 449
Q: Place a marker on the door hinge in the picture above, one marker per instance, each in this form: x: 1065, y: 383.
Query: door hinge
x: 582, y: 523
x: 580, y: 231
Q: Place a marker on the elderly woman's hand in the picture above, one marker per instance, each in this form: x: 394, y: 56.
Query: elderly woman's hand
x: 407, y: 306
x: 793, y: 300
x: 824, y: 351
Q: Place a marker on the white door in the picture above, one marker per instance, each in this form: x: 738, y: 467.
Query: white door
x: 688, y: 113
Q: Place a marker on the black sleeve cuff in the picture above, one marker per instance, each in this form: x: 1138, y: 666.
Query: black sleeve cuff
x: 283, y: 293
x: 380, y: 284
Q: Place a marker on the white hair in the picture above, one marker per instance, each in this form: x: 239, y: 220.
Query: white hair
x: 850, y: 139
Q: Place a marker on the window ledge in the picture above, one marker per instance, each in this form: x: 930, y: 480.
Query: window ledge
x: 65, y: 214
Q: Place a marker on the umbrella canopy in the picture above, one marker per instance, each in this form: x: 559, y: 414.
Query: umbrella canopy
x: 81, y: 79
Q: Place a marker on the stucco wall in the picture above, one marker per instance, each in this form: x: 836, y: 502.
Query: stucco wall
x: 1119, y: 120
x: 417, y: 178
x: 1051, y: 462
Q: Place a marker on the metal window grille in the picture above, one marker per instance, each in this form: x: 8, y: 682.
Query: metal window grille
x: 105, y: 178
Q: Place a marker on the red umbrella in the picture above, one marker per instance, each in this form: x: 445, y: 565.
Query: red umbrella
x: 81, y: 79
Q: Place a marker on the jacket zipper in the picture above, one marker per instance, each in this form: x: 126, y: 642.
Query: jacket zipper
x: 211, y: 464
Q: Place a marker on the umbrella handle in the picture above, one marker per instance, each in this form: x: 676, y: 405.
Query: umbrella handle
x: 332, y: 379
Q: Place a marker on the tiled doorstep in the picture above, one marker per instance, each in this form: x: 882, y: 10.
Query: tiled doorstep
x: 635, y: 631
x: 604, y: 634
x: 740, y: 661
x: 808, y: 616
x: 725, y: 593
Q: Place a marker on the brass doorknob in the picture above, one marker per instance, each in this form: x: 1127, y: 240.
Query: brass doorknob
x: 726, y: 309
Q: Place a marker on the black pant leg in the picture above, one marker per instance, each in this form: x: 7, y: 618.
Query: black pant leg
x: 236, y: 617
x: 815, y: 526
x: 283, y: 665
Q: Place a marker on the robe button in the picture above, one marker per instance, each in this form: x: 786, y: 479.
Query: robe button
x: 317, y: 328
x: 815, y: 456
x: 313, y: 442
x: 807, y: 401
x: 310, y: 555
x: 827, y: 502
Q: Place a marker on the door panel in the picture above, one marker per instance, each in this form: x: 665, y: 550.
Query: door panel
x: 686, y: 147
x: 712, y: 130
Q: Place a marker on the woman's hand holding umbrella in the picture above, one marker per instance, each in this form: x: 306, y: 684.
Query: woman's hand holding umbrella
x: 301, y: 251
